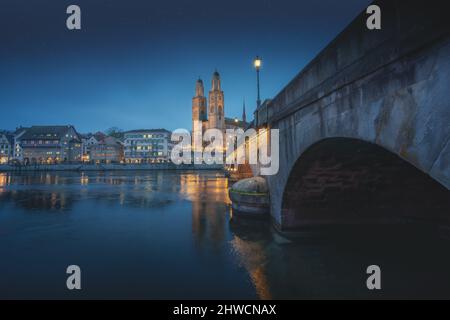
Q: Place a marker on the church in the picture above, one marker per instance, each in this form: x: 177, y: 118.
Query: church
x: 212, y: 117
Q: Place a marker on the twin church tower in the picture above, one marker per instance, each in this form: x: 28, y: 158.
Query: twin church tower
x: 204, y: 118
x: 215, y: 118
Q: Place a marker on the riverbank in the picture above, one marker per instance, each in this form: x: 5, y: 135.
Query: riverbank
x: 108, y: 167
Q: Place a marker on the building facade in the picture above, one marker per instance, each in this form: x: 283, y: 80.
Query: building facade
x: 108, y: 150
x: 18, y: 152
x: 50, y: 144
x: 147, y: 146
x: 87, y: 142
x: 6, y: 147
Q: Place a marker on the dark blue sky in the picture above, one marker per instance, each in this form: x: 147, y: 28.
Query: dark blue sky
x: 134, y: 63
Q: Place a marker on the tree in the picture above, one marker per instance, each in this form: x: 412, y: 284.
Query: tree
x: 115, y: 132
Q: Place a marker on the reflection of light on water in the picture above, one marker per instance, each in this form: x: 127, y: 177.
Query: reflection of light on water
x: 122, y: 198
x: 3, y: 181
x: 3, y: 178
x: 84, y: 179
x: 196, y: 187
x: 253, y: 258
x: 208, y: 194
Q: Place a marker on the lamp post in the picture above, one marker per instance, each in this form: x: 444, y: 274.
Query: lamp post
x: 257, y: 64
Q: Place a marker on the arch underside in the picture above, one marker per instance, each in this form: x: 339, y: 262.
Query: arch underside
x: 348, y: 181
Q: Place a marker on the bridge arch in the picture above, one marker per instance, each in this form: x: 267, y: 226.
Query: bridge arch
x: 350, y: 181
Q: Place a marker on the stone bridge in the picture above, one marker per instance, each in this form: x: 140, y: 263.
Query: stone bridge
x: 365, y: 126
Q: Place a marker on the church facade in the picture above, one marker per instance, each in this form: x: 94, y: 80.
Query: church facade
x: 206, y: 117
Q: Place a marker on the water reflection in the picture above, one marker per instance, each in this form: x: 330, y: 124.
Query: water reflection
x: 205, y: 193
x: 58, y: 191
x: 209, y: 198
x: 4, y: 180
x: 250, y: 239
x: 172, y: 235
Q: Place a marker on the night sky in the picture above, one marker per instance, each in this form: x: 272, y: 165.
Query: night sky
x: 134, y: 63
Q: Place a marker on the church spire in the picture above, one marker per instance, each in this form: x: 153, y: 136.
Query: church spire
x: 244, y: 117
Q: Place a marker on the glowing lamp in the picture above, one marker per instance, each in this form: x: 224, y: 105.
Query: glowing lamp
x: 257, y: 63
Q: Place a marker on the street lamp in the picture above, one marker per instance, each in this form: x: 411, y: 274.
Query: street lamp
x: 257, y: 64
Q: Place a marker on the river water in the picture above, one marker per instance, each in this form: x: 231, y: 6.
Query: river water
x: 172, y: 235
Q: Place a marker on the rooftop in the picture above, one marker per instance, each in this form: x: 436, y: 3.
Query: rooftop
x: 8, y: 135
x: 46, y: 132
x: 232, y: 121
x: 147, y: 130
